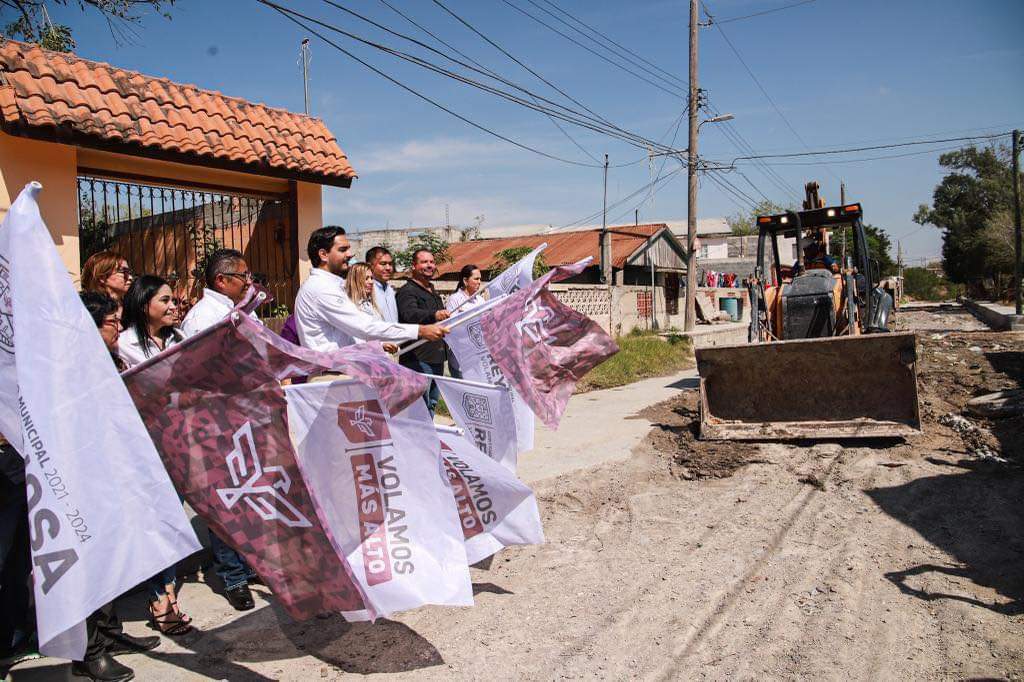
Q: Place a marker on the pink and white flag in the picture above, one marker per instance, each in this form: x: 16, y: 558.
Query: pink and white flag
x: 486, y: 415
x: 542, y: 346
x: 103, y: 512
x: 495, y: 508
x: 378, y: 483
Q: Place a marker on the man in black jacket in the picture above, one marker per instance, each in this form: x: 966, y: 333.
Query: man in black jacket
x: 419, y: 303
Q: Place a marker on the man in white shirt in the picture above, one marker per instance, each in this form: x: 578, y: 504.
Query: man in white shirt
x: 326, y: 319
x: 228, y: 287
x: 227, y: 282
x: 382, y: 265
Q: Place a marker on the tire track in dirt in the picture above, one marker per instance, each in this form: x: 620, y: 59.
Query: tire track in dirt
x: 727, y: 599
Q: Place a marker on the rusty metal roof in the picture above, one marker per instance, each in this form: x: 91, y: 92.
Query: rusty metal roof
x: 563, y: 247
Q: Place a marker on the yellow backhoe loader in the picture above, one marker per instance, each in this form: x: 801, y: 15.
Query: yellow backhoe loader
x: 821, y: 362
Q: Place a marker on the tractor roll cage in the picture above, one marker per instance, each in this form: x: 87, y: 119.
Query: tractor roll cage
x: 793, y: 224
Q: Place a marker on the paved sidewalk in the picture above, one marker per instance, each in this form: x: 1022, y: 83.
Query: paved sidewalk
x: 598, y: 427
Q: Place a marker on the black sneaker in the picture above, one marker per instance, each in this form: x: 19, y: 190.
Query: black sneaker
x: 102, y: 669
x: 123, y: 643
x: 240, y: 597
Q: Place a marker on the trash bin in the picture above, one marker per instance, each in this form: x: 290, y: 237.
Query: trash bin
x: 731, y: 306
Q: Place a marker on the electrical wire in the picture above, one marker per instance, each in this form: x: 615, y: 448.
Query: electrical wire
x: 672, y: 81
x: 640, y: 190
x: 873, y: 147
x: 761, y: 14
x: 571, y: 117
x: 758, y: 83
x: 618, y: 45
x: 420, y: 95
x: 674, y: 92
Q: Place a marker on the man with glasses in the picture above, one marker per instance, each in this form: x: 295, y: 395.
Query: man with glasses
x: 227, y: 282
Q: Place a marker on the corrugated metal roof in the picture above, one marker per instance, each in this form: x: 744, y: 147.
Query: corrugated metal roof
x: 563, y: 247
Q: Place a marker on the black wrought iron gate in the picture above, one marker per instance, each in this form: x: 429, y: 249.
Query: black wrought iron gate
x: 171, y: 231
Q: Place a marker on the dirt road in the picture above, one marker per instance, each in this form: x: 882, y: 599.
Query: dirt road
x: 884, y: 560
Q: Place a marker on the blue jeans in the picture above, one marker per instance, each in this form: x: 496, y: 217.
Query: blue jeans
x: 433, y: 393
x: 229, y: 565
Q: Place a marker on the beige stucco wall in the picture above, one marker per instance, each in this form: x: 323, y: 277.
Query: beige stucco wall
x: 53, y: 165
x: 56, y: 167
x: 310, y: 202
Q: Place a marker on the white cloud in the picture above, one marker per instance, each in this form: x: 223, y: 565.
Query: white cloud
x: 424, y: 155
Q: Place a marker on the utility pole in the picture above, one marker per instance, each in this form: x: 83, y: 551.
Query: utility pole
x: 1018, y: 266
x: 606, y: 242
x: 899, y: 258
x: 690, y: 318
x: 304, y: 54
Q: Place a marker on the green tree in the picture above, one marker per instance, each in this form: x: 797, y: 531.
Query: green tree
x: 33, y: 23
x: 431, y: 242
x: 879, y: 246
x: 745, y: 222
x: 923, y: 285
x: 506, y: 257
x: 966, y: 206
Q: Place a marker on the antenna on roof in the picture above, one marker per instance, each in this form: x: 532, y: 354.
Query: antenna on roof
x: 304, y: 56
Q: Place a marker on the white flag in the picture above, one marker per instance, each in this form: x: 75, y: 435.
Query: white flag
x: 379, y: 485
x: 484, y: 412
x: 517, y: 276
x: 104, y: 513
x: 466, y: 341
x: 495, y: 507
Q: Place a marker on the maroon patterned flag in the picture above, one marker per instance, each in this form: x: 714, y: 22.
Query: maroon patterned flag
x: 217, y: 413
x: 543, y: 346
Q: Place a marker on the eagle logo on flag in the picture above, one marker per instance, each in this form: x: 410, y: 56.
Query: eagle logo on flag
x: 262, y: 489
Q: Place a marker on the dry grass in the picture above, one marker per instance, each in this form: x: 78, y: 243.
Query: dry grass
x: 641, y: 355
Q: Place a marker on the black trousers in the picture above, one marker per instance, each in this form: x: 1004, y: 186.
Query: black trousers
x: 16, y: 617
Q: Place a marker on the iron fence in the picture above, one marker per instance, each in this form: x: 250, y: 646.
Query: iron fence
x: 171, y: 232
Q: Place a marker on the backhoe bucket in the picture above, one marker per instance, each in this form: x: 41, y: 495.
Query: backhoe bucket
x: 836, y: 387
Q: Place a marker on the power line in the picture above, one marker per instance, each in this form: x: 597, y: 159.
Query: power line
x: 760, y: 14
x: 420, y: 95
x: 758, y: 82
x: 618, y: 45
x: 640, y: 190
x: 673, y: 92
x: 872, y: 147
x: 572, y: 116
x: 671, y: 82
x: 490, y: 71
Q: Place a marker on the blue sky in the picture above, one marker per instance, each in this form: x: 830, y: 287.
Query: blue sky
x: 843, y: 74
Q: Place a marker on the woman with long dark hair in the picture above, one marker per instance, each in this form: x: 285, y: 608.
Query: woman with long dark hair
x: 148, y: 316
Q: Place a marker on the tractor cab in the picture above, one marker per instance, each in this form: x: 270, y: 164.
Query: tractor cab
x: 816, y: 294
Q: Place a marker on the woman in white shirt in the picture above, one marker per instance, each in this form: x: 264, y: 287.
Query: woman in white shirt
x: 148, y: 317
x: 360, y: 290
x: 466, y: 297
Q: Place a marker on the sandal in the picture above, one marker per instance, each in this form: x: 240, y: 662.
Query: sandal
x: 169, y: 623
x: 182, y: 616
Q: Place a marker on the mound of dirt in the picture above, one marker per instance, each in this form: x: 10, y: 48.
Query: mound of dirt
x: 675, y: 424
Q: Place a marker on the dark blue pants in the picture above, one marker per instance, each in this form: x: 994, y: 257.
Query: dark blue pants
x: 433, y: 393
x: 229, y: 565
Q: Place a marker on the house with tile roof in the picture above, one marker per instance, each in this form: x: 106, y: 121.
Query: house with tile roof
x: 162, y: 171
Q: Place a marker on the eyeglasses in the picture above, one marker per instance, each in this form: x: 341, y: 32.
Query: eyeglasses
x: 127, y: 272
x: 247, y: 276
x: 114, y: 322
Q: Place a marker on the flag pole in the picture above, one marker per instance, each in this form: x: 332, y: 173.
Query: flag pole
x: 483, y: 290
x: 473, y: 314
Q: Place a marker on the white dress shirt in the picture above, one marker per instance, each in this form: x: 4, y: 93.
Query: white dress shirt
x: 458, y: 300
x: 211, y: 309
x: 130, y: 350
x: 386, y: 300
x: 327, y: 319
